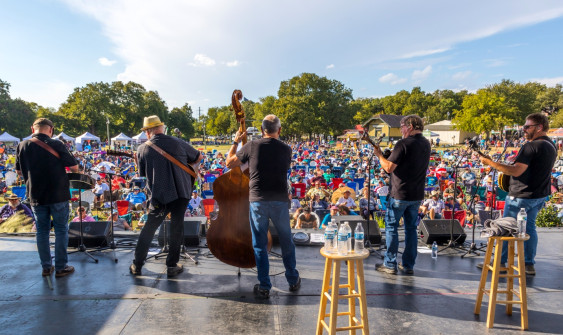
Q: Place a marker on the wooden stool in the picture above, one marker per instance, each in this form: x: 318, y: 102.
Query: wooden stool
x: 332, y: 264
x: 496, y: 242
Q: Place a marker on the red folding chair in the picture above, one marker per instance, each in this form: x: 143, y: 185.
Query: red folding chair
x: 208, y: 205
x: 459, y: 215
x: 122, y: 207
x: 335, y: 182
x: 299, y: 189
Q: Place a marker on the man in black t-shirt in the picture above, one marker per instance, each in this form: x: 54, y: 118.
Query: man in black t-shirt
x: 169, y: 191
x: 407, y: 165
x: 530, y: 178
x: 268, y: 160
x: 48, y: 192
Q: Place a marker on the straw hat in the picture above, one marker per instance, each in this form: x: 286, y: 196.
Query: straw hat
x: 434, y: 193
x: 151, y: 122
x: 13, y: 197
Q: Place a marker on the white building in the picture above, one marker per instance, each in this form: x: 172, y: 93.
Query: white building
x: 447, y: 133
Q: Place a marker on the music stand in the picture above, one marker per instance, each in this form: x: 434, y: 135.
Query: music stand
x: 81, y: 185
x: 452, y: 244
x: 184, y: 254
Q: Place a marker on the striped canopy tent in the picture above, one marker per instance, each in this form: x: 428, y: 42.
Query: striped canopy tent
x: 558, y: 132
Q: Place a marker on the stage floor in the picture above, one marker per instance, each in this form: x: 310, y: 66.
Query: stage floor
x: 209, y: 298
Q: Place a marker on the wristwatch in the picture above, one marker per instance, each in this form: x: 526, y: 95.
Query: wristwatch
x: 235, y: 143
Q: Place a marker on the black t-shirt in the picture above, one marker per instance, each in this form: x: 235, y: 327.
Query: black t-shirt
x: 535, y: 182
x: 44, y: 174
x: 166, y: 181
x: 268, y: 161
x: 411, y: 155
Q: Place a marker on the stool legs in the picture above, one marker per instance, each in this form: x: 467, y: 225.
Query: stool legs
x: 351, y: 300
x: 334, y: 298
x: 522, y: 282
x: 484, y: 275
x: 497, y: 245
x: 324, y: 292
x: 362, y: 292
x: 494, y: 285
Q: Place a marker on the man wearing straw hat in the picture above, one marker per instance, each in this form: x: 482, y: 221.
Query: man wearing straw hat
x: 13, y: 208
x: 42, y: 161
x: 169, y: 190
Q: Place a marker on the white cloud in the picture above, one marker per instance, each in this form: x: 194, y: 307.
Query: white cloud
x: 202, y: 60
x: 47, y: 94
x: 106, y: 62
x: 392, y: 79
x: 419, y: 75
x: 549, y: 81
x: 494, y: 62
x: 330, y: 66
x: 234, y: 63
x: 154, y: 40
x: 421, y: 53
x: 461, y: 75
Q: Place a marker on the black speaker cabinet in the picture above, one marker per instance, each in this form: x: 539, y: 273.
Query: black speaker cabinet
x: 439, y: 231
x: 374, y: 232
x: 95, y: 234
x: 192, y: 228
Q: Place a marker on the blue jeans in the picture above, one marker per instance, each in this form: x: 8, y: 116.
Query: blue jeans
x: 408, y: 210
x: 532, y: 206
x: 43, y: 213
x: 278, y: 212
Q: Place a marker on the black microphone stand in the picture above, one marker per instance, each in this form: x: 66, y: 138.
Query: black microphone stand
x: 473, y: 247
x: 452, y: 244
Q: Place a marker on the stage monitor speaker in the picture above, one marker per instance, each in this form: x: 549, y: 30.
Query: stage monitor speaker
x: 439, y: 231
x: 95, y: 234
x: 374, y: 232
x: 192, y: 228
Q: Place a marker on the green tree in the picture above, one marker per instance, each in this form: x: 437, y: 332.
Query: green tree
x: 182, y: 119
x: 483, y: 112
x: 16, y: 115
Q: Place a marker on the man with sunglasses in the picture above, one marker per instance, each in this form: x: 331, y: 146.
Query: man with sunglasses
x: 530, y: 177
x: 407, y: 166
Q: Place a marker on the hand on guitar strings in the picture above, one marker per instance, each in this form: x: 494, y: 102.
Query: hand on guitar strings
x: 240, y: 135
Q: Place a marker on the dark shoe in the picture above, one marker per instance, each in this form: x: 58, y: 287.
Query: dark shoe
x: 66, y: 271
x: 530, y: 270
x: 135, y: 270
x: 406, y: 271
x: 385, y: 269
x: 260, y: 292
x: 48, y: 272
x: 296, y: 286
x: 175, y: 270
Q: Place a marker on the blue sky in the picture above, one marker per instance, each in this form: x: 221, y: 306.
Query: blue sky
x: 199, y: 51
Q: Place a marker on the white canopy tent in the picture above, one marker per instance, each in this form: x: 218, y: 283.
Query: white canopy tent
x: 87, y: 137
x: 121, y: 139
x: 140, y: 138
x: 8, y: 138
x: 63, y: 136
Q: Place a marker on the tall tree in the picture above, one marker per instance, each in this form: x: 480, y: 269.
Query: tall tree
x: 182, y: 119
x: 15, y: 114
x: 483, y: 112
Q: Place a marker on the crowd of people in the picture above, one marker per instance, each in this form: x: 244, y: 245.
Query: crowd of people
x: 322, y: 180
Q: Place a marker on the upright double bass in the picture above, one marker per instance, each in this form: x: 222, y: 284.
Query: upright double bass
x: 229, y: 237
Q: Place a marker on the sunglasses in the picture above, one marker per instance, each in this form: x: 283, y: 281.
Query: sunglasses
x: 526, y: 127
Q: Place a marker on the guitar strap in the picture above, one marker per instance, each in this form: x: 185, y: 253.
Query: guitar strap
x: 45, y: 146
x: 171, y: 159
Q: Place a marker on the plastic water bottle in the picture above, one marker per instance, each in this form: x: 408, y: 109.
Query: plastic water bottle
x: 332, y: 225
x: 521, y: 219
x: 330, y: 239
x: 359, y: 239
x: 342, y: 241
x: 349, y: 231
x: 435, y: 250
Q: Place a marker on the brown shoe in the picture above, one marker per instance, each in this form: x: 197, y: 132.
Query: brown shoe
x: 530, y: 270
x: 66, y: 271
x: 48, y: 272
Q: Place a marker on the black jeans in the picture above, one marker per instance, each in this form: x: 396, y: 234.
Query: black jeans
x: 157, y: 214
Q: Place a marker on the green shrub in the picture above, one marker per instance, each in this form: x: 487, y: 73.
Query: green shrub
x: 547, y: 217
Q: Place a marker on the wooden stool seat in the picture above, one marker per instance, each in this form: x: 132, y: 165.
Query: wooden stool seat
x: 330, y: 293
x: 514, y: 243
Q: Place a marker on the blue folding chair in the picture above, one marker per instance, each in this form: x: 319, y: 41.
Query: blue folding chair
x: 353, y: 185
x: 325, y: 167
x: 360, y: 182
x: 383, y: 202
x: 19, y: 191
x: 301, y: 167
x: 337, y: 171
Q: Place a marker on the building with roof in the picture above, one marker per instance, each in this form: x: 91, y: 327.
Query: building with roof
x: 447, y: 133
x: 387, y: 124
